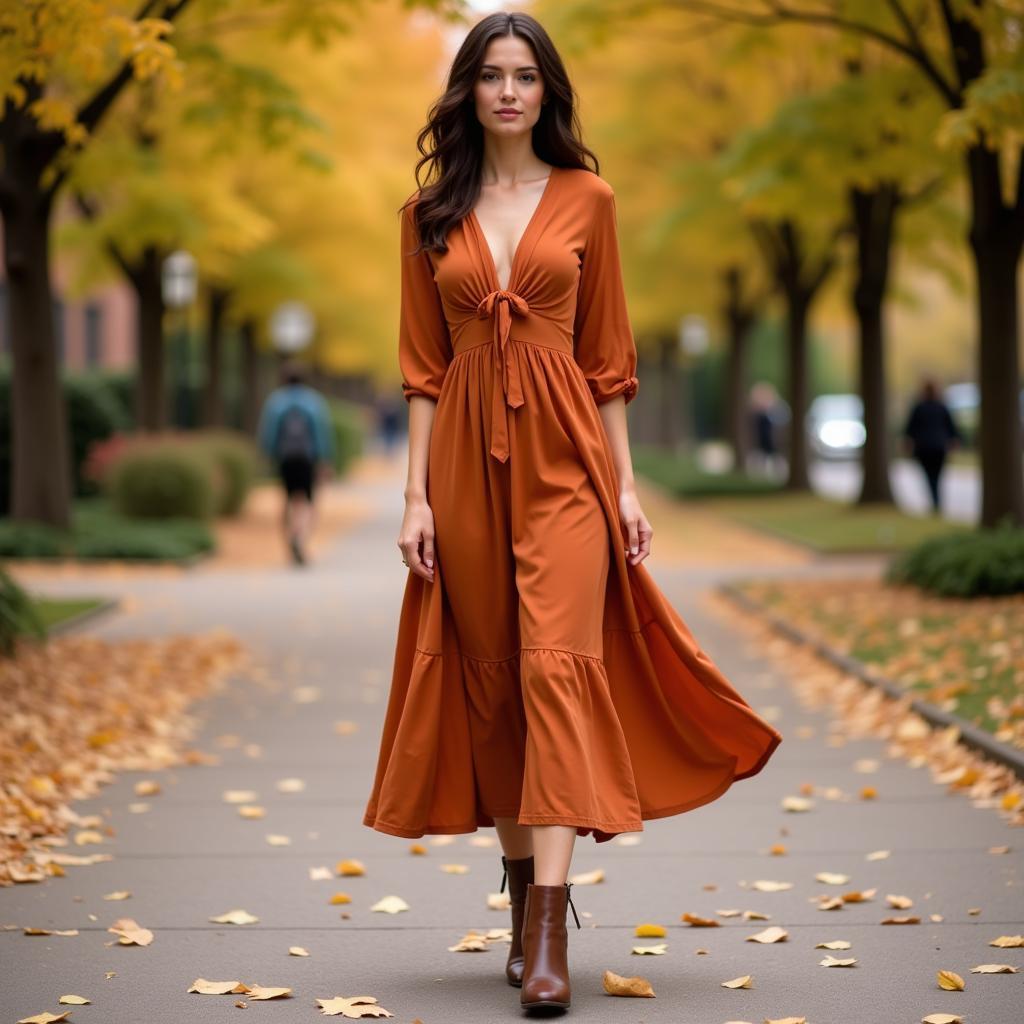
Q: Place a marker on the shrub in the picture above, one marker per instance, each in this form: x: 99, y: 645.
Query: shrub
x: 161, y: 479
x: 238, y: 459
x: 971, y: 564
x: 349, y: 421
x: 18, y: 615
x: 94, y: 414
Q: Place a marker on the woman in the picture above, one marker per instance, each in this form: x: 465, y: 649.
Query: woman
x: 542, y: 683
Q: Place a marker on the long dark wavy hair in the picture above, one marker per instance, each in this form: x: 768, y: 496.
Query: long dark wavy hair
x: 456, y: 136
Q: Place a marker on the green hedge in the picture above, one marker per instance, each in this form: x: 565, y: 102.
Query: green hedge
x: 237, y: 458
x: 158, y: 479
x: 986, y: 562
x: 195, y: 474
x: 18, y: 615
x: 349, y: 420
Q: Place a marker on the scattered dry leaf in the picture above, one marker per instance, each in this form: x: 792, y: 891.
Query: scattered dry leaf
x: 950, y: 981
x: 994, y: 969
x: 772, y: 934
x: 350, y: 867
x: 616, y: 985
x: 237, y: 916
x: 390, y: 905
x: 130, y: 933
x: 656, y: 950
x: 743, y: 981
x: 650, y: 931
x: 831, y: 961
x: 700, y: 922
x: 264, y: 992
x: 353, y: 1007
x: 216, y: 988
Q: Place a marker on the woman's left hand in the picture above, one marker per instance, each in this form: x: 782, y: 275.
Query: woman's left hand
x: 638, y: 530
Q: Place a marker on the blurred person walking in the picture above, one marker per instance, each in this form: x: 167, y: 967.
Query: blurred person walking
x: 542, y: 684
x: 930, y: 432
x: 296, y: 434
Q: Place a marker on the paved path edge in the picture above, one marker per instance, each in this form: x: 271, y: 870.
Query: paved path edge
x: 970, y: 734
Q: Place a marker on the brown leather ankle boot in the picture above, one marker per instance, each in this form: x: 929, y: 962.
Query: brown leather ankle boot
x: 545, y: 947
x: 519, y: 873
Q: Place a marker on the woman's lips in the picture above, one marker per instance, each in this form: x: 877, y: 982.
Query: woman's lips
x: 507, y: 115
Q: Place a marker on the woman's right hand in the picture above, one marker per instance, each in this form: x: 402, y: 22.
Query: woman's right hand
x: 417, y: 528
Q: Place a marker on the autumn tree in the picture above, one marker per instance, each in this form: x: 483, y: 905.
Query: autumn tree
x: 969, y: 52
x: 63, y: 64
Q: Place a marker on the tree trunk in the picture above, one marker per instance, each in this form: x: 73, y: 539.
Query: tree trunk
x: 874, y: 215
x: 668, y: 389
x: 739, y: 318
x: 797, y: 303
x: 150, y: 407
x: 798, y: 281
x: 996, y: 238
x: 213, y: 395
x: 40, y: 458
x: 251, y: 385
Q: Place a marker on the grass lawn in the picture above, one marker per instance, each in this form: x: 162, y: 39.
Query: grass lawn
x: 963, y: 654
x: 54, y: 610
x: 833, y: 526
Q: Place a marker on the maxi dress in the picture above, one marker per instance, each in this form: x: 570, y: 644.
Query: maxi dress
x: 539, y: 676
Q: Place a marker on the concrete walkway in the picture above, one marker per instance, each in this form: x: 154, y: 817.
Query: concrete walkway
x: 331, y: 626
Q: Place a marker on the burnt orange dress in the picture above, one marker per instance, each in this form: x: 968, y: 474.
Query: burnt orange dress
x: 540, y: 675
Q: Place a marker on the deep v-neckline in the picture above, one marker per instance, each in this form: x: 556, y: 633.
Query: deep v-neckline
x: 493, y: 266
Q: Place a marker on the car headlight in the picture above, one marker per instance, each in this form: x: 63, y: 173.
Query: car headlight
x: 842, y: 433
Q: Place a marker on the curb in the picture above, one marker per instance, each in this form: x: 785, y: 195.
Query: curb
x: 69, y: 625
x: 970, y: 734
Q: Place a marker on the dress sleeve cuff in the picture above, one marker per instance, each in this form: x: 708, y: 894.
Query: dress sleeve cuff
x: 627, y: 387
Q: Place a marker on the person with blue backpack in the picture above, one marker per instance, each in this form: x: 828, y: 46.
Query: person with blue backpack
x: 296, y: 434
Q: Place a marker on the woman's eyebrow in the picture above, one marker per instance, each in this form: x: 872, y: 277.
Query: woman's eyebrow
x: 525, y: 67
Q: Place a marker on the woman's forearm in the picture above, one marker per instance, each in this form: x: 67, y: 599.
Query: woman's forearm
x: 421, y: 422
x: 613, y: 415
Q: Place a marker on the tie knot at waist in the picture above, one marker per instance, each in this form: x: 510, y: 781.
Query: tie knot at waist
x: 515, y: 303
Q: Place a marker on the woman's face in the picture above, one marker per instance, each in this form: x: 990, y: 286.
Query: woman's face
x: 508, y: 79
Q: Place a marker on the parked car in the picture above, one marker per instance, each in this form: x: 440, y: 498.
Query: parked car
x: 964, y: 402
x: 835, y: 426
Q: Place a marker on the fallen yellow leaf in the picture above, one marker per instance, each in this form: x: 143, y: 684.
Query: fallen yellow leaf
x: 950, y: 981
x: 616, y: 985
x: 350, y: 867
x: 650, y: 931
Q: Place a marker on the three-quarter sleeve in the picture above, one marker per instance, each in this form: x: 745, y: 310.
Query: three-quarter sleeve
x: 604, y: 346
x: 424, y: 344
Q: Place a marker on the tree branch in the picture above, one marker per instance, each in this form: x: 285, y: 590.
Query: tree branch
x: 780, y: 13
x: 90, y: 113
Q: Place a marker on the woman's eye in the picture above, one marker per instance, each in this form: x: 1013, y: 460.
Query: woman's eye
x: 529, y: 76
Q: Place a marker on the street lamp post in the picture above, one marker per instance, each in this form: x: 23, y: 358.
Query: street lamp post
x: 291, y: 328
x: 178, y: 286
